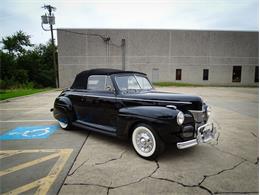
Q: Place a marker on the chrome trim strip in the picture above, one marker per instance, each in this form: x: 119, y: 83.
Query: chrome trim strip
x: 197, y: 110
x: 164, y: 101
x: 135, y: 99
x: 171, y: 106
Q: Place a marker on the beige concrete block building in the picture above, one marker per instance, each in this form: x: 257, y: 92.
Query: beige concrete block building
x: 189, y: 56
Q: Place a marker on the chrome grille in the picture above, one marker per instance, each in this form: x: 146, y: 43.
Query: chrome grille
x: 199, y: 116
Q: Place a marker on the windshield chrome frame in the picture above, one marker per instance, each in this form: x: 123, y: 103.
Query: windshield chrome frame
x: 141, y: 75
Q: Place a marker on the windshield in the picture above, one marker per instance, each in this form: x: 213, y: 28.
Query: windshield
x: 132, y: 82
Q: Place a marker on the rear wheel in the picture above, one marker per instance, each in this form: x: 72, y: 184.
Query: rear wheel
x: 146, y: 142
x: 64, y: 123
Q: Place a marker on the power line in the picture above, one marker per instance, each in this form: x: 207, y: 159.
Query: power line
x: 105, y: 39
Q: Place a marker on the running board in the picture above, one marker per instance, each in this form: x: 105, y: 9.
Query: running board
x: 84, y: 126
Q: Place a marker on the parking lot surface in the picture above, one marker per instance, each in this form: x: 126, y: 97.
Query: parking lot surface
x: 37, y: 156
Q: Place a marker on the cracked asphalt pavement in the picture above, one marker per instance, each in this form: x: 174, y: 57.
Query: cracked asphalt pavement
x: 228, y: 165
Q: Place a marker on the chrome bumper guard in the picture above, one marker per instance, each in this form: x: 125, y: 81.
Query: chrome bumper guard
x: 205, y: 133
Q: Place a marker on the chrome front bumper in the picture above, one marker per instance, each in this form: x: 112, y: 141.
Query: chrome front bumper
x: 205, y: 133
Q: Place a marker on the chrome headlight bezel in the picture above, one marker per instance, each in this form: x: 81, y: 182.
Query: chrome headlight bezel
x: 180, y: 118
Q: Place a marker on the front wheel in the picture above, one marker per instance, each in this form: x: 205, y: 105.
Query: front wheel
x: 146, y: 142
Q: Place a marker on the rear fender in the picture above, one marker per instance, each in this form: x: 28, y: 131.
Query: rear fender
x: 63, y: 108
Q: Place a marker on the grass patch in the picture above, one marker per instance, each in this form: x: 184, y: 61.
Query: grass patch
x: 175, y: 84
x: 11, y: 93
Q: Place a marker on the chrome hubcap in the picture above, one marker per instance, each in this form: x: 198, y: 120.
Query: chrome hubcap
x: 144, y: 141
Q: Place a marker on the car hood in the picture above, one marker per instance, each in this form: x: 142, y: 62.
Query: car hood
x: 190, y: 102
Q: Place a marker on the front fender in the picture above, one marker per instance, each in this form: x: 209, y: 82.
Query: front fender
x: 152, y: 112
x: 162, y: 119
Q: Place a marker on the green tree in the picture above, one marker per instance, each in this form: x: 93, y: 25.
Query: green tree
x: 38, y: 63
x: 16, y: 43
x: 8, y: 64
x: 21, y: 63
x: 46, y: 69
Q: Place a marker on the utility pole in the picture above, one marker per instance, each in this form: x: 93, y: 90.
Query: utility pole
x: 123, y: 53
x: 50, y: 19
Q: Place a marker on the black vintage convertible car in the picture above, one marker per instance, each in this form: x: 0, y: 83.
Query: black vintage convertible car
x: 125, y: 104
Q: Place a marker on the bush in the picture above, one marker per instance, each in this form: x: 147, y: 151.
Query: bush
x: 20, y: 76
x: 7, y: 83
x: 13, y: 84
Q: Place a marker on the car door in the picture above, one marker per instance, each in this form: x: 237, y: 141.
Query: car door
x: 98, y: 103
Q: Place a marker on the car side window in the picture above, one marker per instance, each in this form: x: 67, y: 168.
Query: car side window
x: 100, y: 83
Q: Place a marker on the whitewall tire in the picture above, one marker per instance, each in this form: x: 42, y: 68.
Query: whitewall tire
x: 146, y: 142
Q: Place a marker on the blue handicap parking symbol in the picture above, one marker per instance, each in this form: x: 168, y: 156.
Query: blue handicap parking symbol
x: 32, y: 132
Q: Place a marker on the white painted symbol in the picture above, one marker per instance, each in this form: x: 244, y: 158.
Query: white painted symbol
x: 36, y: 132
x: 32, y: 133
x: 14, y: 133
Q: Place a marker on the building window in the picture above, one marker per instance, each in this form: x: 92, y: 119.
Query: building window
x: 236, y: 74
x: 256, y: 74
x: 178, y: 74
x: 205, y: 74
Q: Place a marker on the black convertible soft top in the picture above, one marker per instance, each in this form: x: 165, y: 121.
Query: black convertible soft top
x: 82, y: 78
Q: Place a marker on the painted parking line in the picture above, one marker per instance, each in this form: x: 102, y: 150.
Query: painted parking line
x: 28, y: 164
x: 8, y: 153
x: 44, y: 183
x: 20, y: 109
x: 25, y: 121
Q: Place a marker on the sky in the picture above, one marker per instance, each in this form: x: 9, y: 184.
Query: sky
x: 235, y: 15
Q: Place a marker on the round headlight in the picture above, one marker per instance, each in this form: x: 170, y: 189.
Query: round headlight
x: 208, y: 111
x: 180, y: 118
